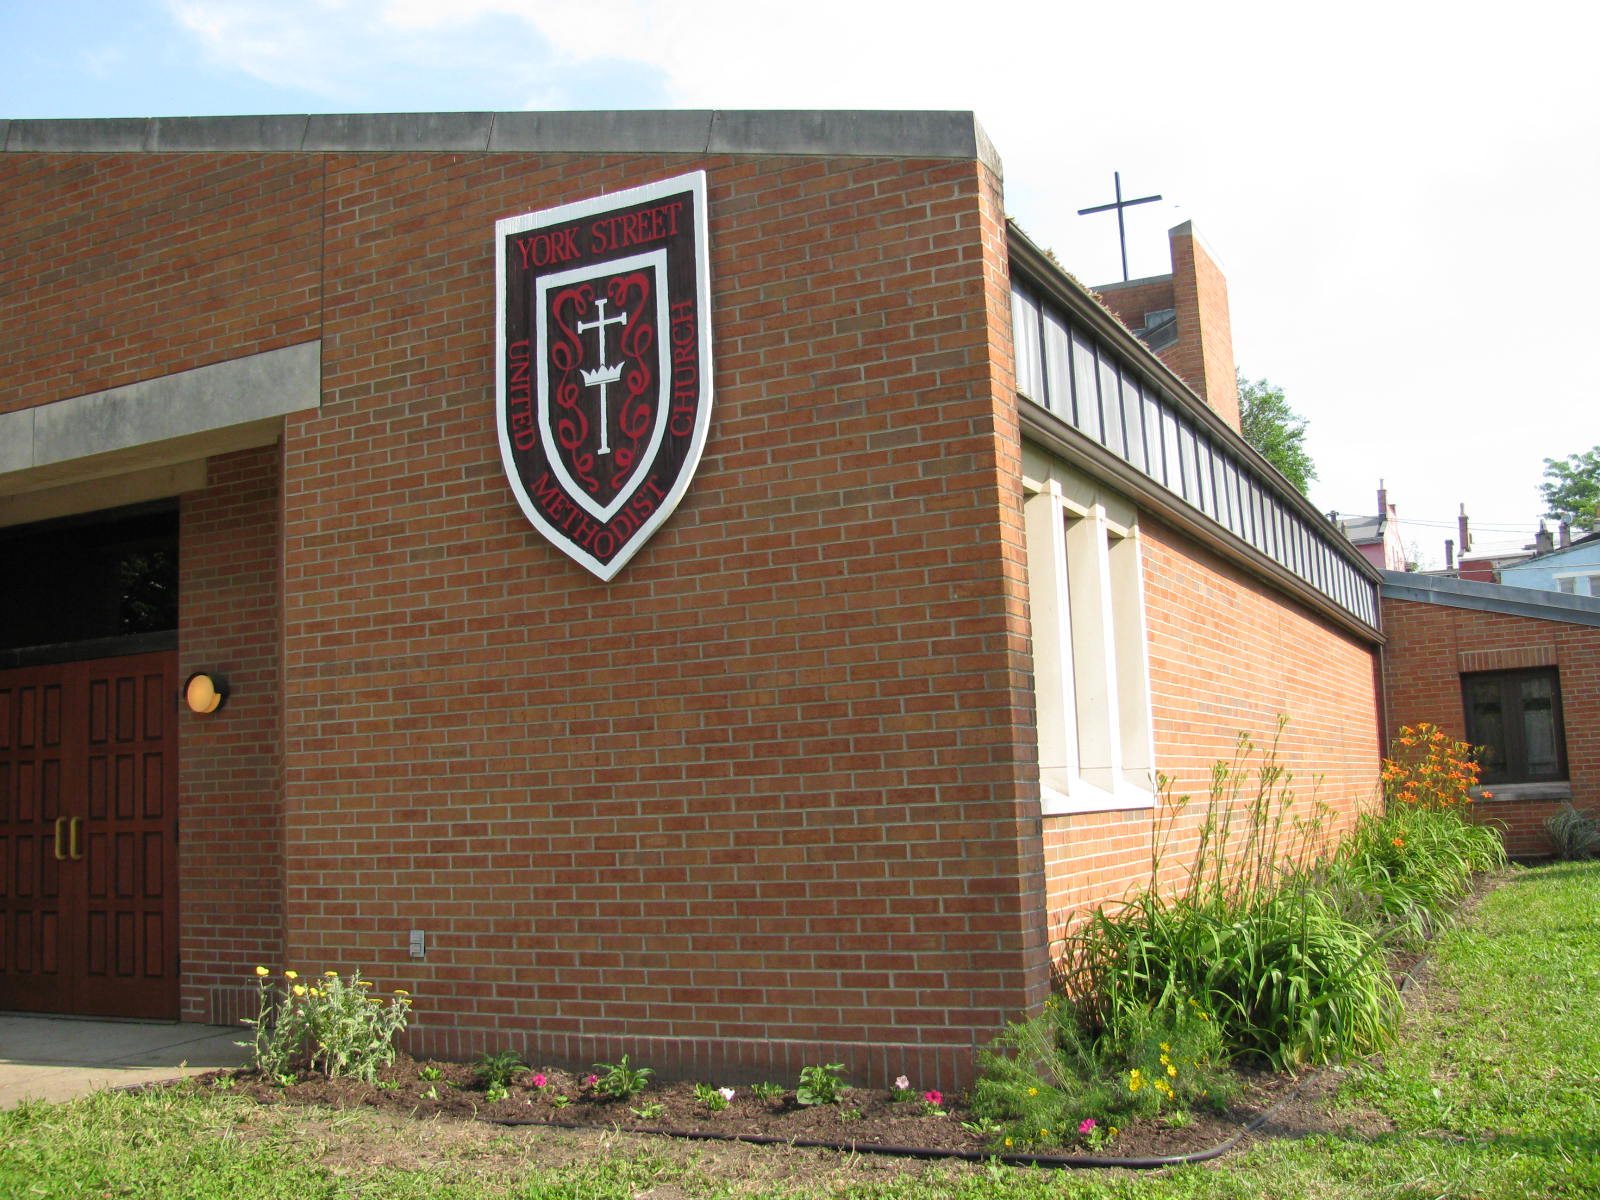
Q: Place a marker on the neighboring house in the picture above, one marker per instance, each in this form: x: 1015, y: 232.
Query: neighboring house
x: 1377, y: 537
x: 819, y: 774
x: 1509, y: 669
x: 1572, y: 569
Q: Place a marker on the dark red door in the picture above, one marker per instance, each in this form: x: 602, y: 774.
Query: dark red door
x: 88, y: 838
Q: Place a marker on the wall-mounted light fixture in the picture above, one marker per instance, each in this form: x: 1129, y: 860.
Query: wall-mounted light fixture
x: 205, y: 692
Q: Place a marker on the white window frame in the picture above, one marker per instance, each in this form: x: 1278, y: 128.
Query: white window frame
x: 1584, y: 581
x: 1091, y: 665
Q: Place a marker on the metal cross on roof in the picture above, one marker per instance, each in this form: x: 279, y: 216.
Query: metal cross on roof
x: 1119, y: 204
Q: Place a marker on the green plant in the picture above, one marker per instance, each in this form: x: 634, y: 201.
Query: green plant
x: 820, y: 1084
x: 1249, y: 939
x: 767, y: 1092
x: 714, y: 1099
x: 560, y: 1101
x: 334, y: 1026
x: 849, y: 1114
x: 432, y: 1093
x: 495, y: 1093
x: 1054, y: 1072
x: 649, y: 1111
x: 429, y: 1074
x: 496, y: 1070
x: 1576, y: 835
x: 619, y: 1081
x: 1429, y: 769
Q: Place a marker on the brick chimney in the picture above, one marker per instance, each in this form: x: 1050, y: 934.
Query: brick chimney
x: 1183, y: 317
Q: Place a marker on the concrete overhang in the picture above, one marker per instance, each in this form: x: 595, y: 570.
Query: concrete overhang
x: 149, y: 439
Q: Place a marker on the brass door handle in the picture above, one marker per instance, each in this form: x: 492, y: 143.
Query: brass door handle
x: 73, y: 851
x: 60, y: 857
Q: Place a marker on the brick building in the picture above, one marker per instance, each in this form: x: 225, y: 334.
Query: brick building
x: 817, y: 775
x: 1512, y: 669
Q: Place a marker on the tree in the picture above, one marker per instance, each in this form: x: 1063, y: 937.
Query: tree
x: 1276, y: 430
x: 1571, y: 489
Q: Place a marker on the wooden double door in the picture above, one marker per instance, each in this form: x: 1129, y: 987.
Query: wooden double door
x: 88, y: 838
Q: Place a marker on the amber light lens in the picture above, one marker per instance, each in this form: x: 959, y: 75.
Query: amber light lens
x: 204, y: 694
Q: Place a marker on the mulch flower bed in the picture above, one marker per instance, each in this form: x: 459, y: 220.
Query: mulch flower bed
x: 863, y: 1118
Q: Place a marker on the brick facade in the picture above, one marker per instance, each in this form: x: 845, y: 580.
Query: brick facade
x: 230, y: 769
x: 1432, y: 645
x: 1227, y: 656
x: 769, y: 797
x: 1197, y: 292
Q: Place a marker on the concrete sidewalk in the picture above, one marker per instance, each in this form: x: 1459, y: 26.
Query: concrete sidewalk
x: 60, y: 1058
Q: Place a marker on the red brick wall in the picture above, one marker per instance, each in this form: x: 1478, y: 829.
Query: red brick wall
x: 230, y: 764
x: 1130, y: 302
x: 124, y: 267
x: 1227, y: 656
x: 757, y: 800
x: 1431, y: 645
x: 1203, y: 355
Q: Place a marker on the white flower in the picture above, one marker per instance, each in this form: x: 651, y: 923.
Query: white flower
x: 725, y: 1093
x: 902, y: 1083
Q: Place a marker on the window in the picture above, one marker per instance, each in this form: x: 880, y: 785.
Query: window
x: 1578, y: 584
x: 1091, y: 679
x: 1516, y: 717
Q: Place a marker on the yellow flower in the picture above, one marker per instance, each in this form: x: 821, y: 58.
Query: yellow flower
x: 291, y: 974
x: 1009, y: 1143
x: 401, y: 992
x: 364, y: 982
x: 1172, y: 1070
x: 1044, y: 1133
x: 1165, y: 1061
x: 331, y: 974
x: 1166, y: 1047
x: 1033, y: 1091
x: 262, y: 971
x: 299, y: 989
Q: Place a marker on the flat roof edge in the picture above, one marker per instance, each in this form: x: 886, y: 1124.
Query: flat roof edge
x: 857, y: 132
x: 1491, y: 597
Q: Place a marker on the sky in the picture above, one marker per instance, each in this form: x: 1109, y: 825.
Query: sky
x: 1399, y: 193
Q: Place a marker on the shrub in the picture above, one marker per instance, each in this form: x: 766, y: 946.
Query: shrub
x: 1576, y: 835
x: 495, y: 1070
x: 619, y: 1081
x: 1287, y: 977
x: 820, y: 1084
x: 1051, y: 1080
x: 1429, y: 769
x: 328, y: 1025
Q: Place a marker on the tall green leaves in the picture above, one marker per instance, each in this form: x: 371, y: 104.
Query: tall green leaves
x: 1275, y: 935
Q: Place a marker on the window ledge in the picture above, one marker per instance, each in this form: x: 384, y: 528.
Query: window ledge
x: 1555, y: 789
x: 1086, y: 798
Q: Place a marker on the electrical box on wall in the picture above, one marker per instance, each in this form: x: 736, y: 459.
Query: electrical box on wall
x: 419, y: 944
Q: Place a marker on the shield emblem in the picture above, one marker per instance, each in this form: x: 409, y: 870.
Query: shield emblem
x: 603, y: 364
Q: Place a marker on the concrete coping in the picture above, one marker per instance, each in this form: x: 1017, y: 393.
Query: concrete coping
x: 1491, y: 597
x: 854, y: 132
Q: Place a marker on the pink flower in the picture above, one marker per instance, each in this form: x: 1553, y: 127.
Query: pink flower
x: 902, y: 1084
x: 539, y: 1080
x: 933, y: 1097
x: 590, y: 1080
x: 1087, y: 1126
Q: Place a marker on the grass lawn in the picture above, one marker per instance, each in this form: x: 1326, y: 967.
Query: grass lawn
x: 1493, y: 1091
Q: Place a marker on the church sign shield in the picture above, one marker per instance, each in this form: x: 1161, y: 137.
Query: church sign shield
x: 603, y: 364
